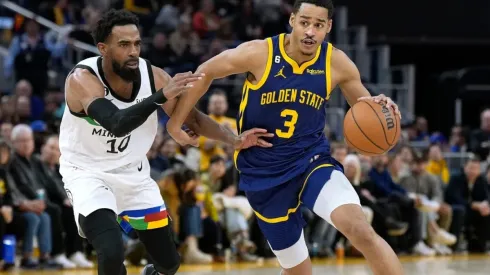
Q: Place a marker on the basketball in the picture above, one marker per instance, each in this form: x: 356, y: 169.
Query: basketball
x: 371, y: 128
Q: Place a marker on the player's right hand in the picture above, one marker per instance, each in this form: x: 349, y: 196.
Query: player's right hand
x: 180, y: 83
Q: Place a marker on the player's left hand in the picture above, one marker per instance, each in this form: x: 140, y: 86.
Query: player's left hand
x: 385, y: 100
x: 253, y: 137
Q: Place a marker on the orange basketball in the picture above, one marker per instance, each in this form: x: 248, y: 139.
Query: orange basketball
x: 371, y: 128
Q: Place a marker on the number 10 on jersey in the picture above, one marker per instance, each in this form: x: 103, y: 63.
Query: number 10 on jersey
x: 123, y: 144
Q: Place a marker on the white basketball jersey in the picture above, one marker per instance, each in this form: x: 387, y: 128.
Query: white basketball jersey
x: 86, y: 144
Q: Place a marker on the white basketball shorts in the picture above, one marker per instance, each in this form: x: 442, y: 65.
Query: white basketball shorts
x: 128, y: 191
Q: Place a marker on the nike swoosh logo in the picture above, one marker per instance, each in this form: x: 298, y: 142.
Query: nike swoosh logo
x: 141, y: 167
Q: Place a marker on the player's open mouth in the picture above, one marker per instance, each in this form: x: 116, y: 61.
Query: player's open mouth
x: 308, y: 42
x: 132, y: 64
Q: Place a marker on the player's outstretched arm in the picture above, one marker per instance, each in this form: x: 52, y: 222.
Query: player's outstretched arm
x: 201, y: 124
x: 86, y: 91
x: 248, y: 57
x: 347, y: 76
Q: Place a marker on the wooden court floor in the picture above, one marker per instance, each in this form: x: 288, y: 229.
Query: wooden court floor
x: 455, y: 265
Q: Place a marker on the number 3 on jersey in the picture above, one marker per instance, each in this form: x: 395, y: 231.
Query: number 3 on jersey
x: 292, y: 118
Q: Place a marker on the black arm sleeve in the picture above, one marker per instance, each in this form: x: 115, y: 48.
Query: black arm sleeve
x: 122, y: 121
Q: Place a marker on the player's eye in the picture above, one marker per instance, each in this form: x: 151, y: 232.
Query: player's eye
x: 304, y: 23
x: 318, y: 25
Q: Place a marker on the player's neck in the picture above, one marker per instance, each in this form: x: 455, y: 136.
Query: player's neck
x: 293, y: 51
x: 118, y: 85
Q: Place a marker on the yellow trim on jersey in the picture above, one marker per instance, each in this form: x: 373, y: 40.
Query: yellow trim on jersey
x: 328, y: 68
x: 250, y: 86
x: 241, y: 113
x: 296, y: 68
x: 268, y: 67
x: 291, y: 210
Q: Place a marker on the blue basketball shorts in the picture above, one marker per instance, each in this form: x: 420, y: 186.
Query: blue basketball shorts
x: 322, y: 188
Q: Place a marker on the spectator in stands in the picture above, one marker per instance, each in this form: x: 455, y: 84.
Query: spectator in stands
x: 23, y: 109
x: 169, y: 154
x: 168, y: 17
x: 186, y: 45
x: 422, y: 128
x: 39, y: 130
x: 160, y: 53
x: 48, y: 165
x: 395, y: 167
x: 458, y: 139
x: 469, y: 189
x: 217, y: 108
x: 216, y: 47
x: 246, y: 24
x: 480, y: 138
x: 384, y: 220
x: 382, y: 187
x: 406, y: 153
x: 428, y: 188
x: 157, y: 163
x: 24, y: 88
x: 34, y: 207
x: 234, y: 211
x: 61, y: 13
x: 6, y: 131
x: 8, y: 110
x: 205, y: 21
x: 183, y: 199
x: 29, y: 56
x: 53, y: 111
x: 11, y: 221
x: 437, y: 164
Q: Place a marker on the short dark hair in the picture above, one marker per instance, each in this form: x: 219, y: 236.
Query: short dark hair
x: 220, y: 92
x: 328, y: 4
x: 216, y: 158
x: 109, y: 20
x: 419, y: 158
x: 473, y: 158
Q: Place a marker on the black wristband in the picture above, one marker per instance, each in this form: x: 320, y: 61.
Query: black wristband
x: 158, y: 97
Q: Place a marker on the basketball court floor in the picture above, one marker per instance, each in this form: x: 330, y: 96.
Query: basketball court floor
x: 456, y: 265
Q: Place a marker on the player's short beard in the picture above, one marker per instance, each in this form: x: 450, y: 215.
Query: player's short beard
x: 127, y: 74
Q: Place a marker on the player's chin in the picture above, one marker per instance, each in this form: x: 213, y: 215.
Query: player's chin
x: 308, y: 50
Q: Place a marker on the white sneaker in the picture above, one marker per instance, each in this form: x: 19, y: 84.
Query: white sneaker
x: 64, y: 262
x: 81, y: 261
x: 195, y: 256
x: 444, y: 237
x: 442, y: 249
x: 422, y: 249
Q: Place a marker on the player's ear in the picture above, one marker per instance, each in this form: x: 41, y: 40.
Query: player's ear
x: 329, y: 25
x: 291, y: 20
x: 102, y: 48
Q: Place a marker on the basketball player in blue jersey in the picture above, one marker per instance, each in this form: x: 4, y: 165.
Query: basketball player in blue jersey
x: 290, y: 78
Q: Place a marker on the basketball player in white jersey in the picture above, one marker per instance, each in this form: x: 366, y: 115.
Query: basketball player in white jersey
x: 107, y: 128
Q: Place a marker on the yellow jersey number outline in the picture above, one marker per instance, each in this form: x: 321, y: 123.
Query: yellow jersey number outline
x: 290, y: 124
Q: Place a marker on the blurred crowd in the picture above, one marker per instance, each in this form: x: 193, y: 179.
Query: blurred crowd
x: 429, y: 196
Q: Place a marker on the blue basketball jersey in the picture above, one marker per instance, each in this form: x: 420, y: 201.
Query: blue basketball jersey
x: 288, y: 101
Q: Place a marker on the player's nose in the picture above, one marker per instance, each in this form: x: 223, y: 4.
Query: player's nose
x: 310, y: 32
